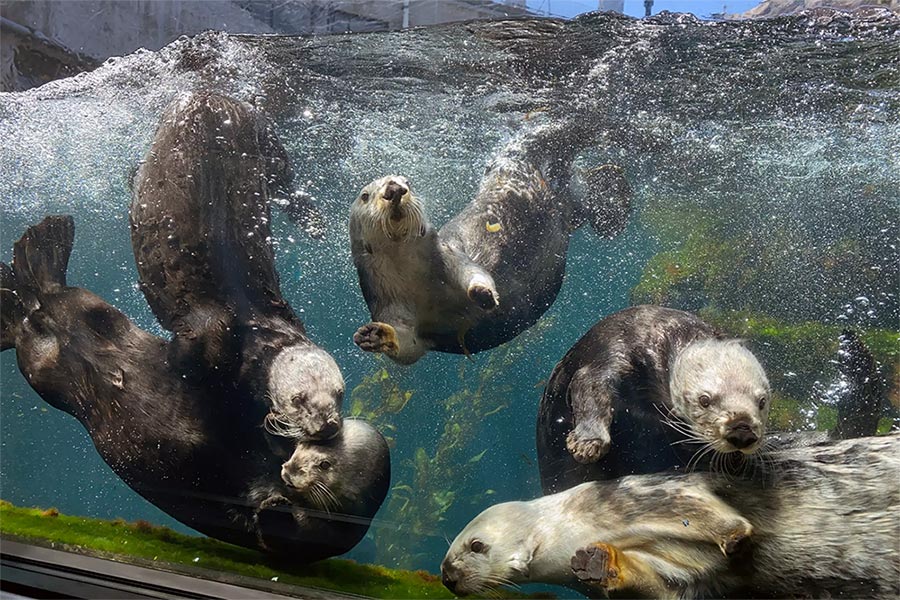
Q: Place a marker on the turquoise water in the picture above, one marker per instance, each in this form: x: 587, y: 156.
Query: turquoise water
x: 765, y: 160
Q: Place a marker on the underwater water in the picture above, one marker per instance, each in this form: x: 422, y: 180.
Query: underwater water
x: 764, y: 159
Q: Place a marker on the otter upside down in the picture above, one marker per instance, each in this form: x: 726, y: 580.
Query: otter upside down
x: 493, y: 270
x: 201, y: 238
x: 197, y: 454
x: 825, y: 524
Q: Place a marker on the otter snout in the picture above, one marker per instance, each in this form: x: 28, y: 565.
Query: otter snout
x: 330, y: 429
x: 740, y: 434
x: 288, y: 473
x: 449, y: 576
x: 394, y: 192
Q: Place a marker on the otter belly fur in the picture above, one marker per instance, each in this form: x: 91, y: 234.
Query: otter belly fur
x: 493, y: 270
x: 824, y: 524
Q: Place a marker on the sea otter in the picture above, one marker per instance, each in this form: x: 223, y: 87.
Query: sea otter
x: 648, y: 389
x: 196, y: 453
x: 341, y: 474
x: 202, y: 241
x: 824, y: 525
x: 493, y: 270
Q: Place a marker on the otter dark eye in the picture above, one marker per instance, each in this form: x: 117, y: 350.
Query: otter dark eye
x: 704, y: 400
x: 477, y: 546
x: 762, y: 402
x: 324, y: 465
x: 364, y: 197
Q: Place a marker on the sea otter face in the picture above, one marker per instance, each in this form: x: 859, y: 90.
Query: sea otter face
x: 492, y: 550
x: 721, y: 392
x: 305, y: 392
x: 387, y: 209
x: 311, y: 473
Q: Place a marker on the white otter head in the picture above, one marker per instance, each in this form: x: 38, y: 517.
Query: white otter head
x: 305, y: 391
x: 721, y: 391
x: 496, y: 548
x: 341, y: 473
x: 311, y: 473
x: 387, y: 210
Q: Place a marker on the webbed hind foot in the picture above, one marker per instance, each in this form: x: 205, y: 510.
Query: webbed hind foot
x: 598, y: 564
x: 377, y: 337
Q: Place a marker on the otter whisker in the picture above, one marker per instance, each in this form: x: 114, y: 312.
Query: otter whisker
x: 698, y: 456
x: 318, y: 499
x: 499, y: 579
x: 277, y: 424
x: 326, y: 491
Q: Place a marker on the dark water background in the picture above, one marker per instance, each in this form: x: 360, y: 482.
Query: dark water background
x: 786, y: 132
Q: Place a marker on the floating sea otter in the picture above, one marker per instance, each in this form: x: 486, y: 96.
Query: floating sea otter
x: 495, y: 268
x: 193, y: 451
x: 648, y: 389
x: 201, y: 238
x: 825, y: 525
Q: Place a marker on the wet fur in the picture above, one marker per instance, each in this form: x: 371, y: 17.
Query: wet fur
x: 620, y: 367
x: 823, y: 525
x: 202, y: 241
x: 195, y: 453
x: 421, y: 286
x: 360, y: 471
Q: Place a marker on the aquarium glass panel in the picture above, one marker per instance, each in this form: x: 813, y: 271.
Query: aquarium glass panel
x: 282, y: 296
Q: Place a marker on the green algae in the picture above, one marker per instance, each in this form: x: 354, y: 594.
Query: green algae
x: 427, y: 481
x: 173, y: 551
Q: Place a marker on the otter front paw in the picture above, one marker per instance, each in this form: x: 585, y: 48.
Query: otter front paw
x: 483, y: 296
x: 598, y: 565
x: 587, y: 444
x: 377, y: 337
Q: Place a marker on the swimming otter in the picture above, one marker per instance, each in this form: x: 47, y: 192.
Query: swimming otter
x: 341, y: 474
x: 493, y: 270
x: 184, y: 446
x: 201, y: 238
x: 825, y: 526
x: 656, y: 381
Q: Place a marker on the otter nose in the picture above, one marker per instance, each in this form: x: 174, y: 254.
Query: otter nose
x: 394, y: 192
x: 330, y: 429
x: 449, y: 577
x: 286, y: 474
x: 740, y: 435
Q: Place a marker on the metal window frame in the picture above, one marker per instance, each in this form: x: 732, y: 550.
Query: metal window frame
x: 39, y: 572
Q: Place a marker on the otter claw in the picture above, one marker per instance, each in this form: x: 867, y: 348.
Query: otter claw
x: 592, y: 564
x: 483, y: 296
x: 377, y: 337
x: 585, y: 449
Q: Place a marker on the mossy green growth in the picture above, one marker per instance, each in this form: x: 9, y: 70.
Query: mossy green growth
x: 173, y: 551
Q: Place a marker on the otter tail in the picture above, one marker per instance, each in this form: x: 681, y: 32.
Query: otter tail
x: 860, y: 390
x: 40, y: 260
x: 601, y: 195
x: 602, y: 198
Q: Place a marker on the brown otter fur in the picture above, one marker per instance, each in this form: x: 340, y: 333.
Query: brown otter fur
x: 202, y: 241
x: 199, y: 455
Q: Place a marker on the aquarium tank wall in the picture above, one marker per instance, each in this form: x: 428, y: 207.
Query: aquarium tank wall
x: 545, y: 167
